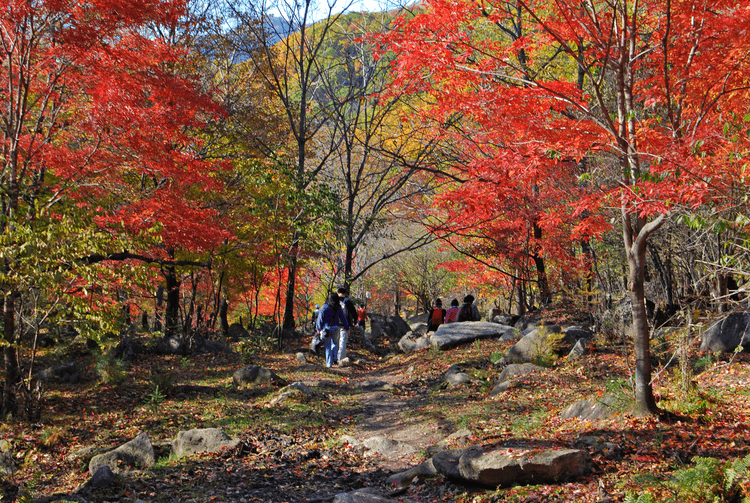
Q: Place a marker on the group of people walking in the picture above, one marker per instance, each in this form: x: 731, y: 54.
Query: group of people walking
x: 338, y: 314
x: 467, y: 312
x: 333, y: 322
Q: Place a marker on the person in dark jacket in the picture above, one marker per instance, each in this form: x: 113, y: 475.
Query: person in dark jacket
x: 350, y: 311
x: 330, y: 321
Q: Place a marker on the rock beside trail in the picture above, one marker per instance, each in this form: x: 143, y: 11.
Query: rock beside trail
x: 388, y: 327
x: 503, y: 467
x: 590, y: 409
x: 195, y: 441
x: 726, y: 335
x: 451, y: 335
x: 414, y: 341
x: 138, y: 453
x: 361, y: 496
x: 255, y: 375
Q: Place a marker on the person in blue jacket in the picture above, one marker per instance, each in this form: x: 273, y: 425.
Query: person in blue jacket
x: 331, y: 317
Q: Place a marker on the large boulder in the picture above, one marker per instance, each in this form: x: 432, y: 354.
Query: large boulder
x: 726, y: 335
x: 195, y: 441
x: 237, y: 332
x: 255, y: 375
x: 451, y: 335
x: 129, y: 349
x: 505, y: 467
x: 536, y: 345
x: 138, y: 453
x: 388, y: 327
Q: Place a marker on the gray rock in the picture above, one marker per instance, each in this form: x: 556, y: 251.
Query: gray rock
x: 456, y: 439
x: 129, y: 349
x: 388, y: 327
x: 255, y: 375
x: 195, y: 441
x: 578, y: 350
x: 361, y: 496
x: 597, y: 445
x: 446, y: 463
x: 455, y: 377
x: 419, y: 328
x: 65, y: 373
x: 518, y: 369
x: 102, y: 479
x: 726, y: 335
x: 388, y: 447
x: 590, y: 409
x: 294, y: 389
x: 138, y: 453
x: 534, y: 345
x: 237, y: 332
x: 502, y: 468
x: 451, y: 335
x: 300, y: 357
x: 420, y: 472
x: 7, y: 465
x: 413, y: 342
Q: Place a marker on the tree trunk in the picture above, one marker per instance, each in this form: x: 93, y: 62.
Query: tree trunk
x: 635, y: 240
x: 519, y: 296
x: 172, y: 311
x: 545, y: 296
x: 223, y: 317
x: 158, y: 308
x: 11, y: 366
x: 288, y: 323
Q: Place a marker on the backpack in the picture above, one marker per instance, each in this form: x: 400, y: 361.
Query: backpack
x: 451, y: 315
x: 437, y: 316
x: 465, y: 313
x: 351, y: 311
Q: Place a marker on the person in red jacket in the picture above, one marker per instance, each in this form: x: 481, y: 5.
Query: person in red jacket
x: 361, y: 316
x: 437, y: 316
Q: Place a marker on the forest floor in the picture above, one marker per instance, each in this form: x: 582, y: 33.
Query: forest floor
x: 292, y: 451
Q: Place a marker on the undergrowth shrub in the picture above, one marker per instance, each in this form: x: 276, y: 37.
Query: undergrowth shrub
x: 111, y: 370
x: 708, y: 480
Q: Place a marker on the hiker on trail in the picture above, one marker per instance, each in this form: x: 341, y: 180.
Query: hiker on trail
x: 361, y: 316
x: 331, y: 324
x: 350, y: 313
x: 437, y: 316
x: 451, y: 314
x: 316, y: 336
x: 468, y: 311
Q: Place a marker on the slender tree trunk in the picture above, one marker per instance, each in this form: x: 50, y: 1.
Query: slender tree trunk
x: 545, y: 296
x: 11, y: 366
x: 519, y: 296
x: 223, y: 317
x: 288, y: 323
x: 635, y: 240
x: 158, y: 308
x: 172, y: 311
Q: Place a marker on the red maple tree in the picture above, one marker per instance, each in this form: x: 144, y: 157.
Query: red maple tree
x: 94, y: 111
x: 534, y: 94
